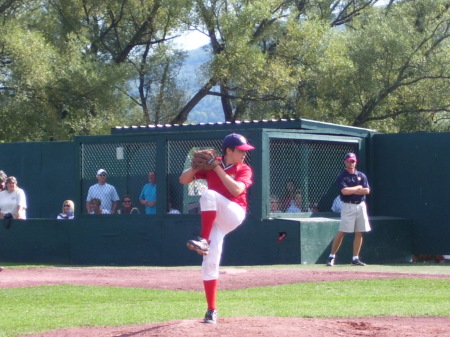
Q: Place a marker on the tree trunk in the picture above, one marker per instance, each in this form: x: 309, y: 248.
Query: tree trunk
x: 182, y: 115
x: 226, y: 104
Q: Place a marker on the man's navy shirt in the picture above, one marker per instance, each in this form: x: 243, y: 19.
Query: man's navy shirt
x: 346, y: 179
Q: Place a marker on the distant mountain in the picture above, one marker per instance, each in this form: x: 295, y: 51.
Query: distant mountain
x: 192, y: 78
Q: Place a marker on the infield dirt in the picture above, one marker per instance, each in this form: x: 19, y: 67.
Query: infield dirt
x: 230, y: 278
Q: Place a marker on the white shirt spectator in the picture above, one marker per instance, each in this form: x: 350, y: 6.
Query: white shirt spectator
x: 64, y: 216
x: 10, y: 202
x: 106, y: 193
x: 337, y: 204
x: 104, y: 211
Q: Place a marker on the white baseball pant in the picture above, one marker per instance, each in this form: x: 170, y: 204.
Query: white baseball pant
x: 229, y: 216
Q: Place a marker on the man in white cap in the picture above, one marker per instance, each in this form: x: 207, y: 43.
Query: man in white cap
x: 103, y: 191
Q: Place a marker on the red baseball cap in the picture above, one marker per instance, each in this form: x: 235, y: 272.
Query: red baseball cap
x: 350, y: 156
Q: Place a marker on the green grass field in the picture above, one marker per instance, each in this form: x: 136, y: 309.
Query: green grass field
x: 42, y: 308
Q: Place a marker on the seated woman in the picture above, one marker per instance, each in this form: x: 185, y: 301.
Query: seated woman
x: 127, y: 206
x: 68, y: 209
x: 295, y: 205
x: 172, y: 210
x: 290, y: 190
x: 13, y: 202
x: 274, y: 204
x: 94, y: 207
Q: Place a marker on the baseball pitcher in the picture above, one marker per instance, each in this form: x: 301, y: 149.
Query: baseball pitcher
x: 223, y: 206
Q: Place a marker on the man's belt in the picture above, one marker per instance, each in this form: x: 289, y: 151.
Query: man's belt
x: 352, y: 202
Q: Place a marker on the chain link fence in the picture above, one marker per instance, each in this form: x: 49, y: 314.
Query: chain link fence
x: 127, y: 166
x: 303, y: 174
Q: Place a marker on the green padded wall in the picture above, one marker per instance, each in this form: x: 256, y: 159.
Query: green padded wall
x: 153, y: 241
x: 410, y: 179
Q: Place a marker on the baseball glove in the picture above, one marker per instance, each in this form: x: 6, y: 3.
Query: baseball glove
x: 204, y: 160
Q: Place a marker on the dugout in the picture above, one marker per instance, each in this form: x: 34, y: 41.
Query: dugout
x: 309, y: 153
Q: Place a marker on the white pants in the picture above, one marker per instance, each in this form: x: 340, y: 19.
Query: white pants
x: 229, y: 216
x: 354, y: 218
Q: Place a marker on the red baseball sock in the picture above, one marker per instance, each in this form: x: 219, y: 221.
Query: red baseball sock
x: 208, y: 218
x: 211, y: 293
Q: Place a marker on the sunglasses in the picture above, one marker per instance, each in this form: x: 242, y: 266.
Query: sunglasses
x: 127, y: 201
x: 102, y: 175
x: 66, y: 205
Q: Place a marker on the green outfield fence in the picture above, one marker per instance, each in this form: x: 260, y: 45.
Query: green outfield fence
x: 407, y: 204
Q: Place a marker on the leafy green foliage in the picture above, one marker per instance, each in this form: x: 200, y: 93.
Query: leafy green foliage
x: 76, y: 67
x: 357, y: 64
x: 66, y: 67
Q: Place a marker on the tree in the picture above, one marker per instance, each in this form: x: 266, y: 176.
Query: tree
x: 343, y: 61
x: 66, y: 65
x: 52, y: 92
x: 136, y: 33
x: 73, y: 67
x: 158, y: 91
x: 249, y: 65
x: 394, y: 69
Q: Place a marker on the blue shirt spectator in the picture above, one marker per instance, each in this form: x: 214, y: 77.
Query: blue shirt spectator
x: 148, y: 194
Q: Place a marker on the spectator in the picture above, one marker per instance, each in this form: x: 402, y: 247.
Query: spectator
x: 68, y: 209
x: 337, y: 204
x: 95, y: 207
x: 103, y: 191
x: 172, y: 210
x: 274, y: 204
x: 3, y: 177
x: 127, y: 206
x: 288, y: 198
x: 295, y: 205
x: 13, y: 202
x: 148, y: 194
x: 313, y: 207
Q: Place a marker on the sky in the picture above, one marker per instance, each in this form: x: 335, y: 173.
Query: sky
x: 192, y: 40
